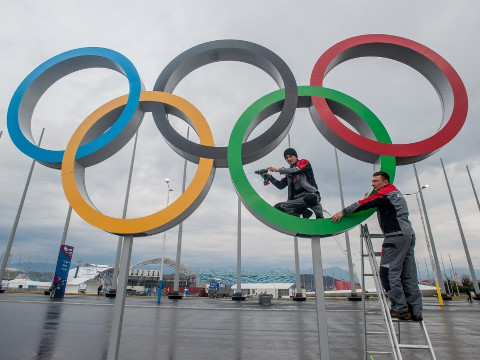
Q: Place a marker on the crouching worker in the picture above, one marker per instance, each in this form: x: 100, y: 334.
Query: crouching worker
x: 398, y: 272
x: 303, y: 192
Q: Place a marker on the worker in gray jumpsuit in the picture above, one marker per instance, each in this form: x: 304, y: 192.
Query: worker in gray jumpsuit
x: 398, y: 272
x: 303, y: 192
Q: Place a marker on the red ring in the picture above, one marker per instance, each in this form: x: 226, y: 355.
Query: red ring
x: 364, y: 45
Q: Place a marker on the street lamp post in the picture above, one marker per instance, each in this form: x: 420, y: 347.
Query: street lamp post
x: 160, y: 281
x: 439, y: 293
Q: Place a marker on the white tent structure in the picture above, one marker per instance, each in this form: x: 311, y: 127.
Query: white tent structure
x: 83, y: 279
x: 25, y: 284
x: 278, y: 290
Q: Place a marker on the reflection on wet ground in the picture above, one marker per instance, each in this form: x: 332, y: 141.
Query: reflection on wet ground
x: 78, y: 327
x: 50, y: 326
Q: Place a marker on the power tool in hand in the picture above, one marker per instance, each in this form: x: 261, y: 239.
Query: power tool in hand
x: 265, y: 179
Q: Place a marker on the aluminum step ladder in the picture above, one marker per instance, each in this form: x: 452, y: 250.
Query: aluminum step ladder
x: 394, y: 337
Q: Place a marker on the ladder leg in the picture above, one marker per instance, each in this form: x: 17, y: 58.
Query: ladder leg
x: 363, y: 300
x: 399, y: 335
x: 427, y: 339
x: 393, y: 336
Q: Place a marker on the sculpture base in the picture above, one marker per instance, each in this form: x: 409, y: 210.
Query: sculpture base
x: 238, y: 297
x: 446, y: 297
x: 175, y: 296
x: 354, y: 297
x: 299, y: 297
x: 111, y: 294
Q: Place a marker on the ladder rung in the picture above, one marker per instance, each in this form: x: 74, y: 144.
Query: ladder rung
x: 373, y: 313
x: 379, y: 352
x: 412, y: 346
x: 367, y: 274
x: 376, y: 332
x: 377, y: 236
x: 402, y: 320
x: 376, y: 253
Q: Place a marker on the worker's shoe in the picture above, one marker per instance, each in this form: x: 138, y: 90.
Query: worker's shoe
x: 402, y: 316
x: 414, y: 317
x: 417, y: 317
x: 307, y: 213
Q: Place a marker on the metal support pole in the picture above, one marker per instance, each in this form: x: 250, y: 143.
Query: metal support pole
x: 353, y: 288
x: 239, y: 248
x: 176, y: 281
x: 476, y: 198
x: 449, y: 285
x: 432, y: 261
x: 124, y: 215
x: 238, y: 294
x: 473, y: 187
x: 435, y: 264
x: 62, y: 242
x: 467, y: 253
x: 426, y: 268
x: 116, y: 331
x: 113, y: 290
x: 160, y: 281
x: 67, y: 224
x: 453, y: 274
x: 8, y: 249
x: 298, y: 285
x: 320, y: 299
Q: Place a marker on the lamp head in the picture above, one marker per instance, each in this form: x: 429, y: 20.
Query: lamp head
x: 167, y: 180
x: 425, y: 186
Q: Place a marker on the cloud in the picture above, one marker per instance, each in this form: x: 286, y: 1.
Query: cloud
x: 152, y: 34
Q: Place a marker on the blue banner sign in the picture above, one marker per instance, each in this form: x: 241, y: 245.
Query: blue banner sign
x: 61, y: 272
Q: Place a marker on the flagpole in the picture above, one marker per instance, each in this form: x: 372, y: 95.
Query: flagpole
x: 464, y: 242
x: 436, y: 263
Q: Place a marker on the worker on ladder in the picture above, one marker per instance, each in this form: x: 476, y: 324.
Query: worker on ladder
x: 398, y: 271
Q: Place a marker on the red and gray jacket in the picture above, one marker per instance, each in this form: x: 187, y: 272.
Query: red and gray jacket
x: 392, y: 210
x: 299, y: 179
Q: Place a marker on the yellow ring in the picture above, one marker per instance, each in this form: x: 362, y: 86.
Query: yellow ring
x: 73, y: 173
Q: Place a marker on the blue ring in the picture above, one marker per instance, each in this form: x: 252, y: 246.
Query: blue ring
x: 39, y: 80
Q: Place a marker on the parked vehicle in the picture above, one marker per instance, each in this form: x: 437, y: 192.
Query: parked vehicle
x: 217, y: 289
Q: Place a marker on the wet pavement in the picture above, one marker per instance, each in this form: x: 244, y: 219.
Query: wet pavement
x: 33, y: 326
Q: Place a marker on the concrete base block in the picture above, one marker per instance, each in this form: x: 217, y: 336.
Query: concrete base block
x: 175, y: 296
x: 354, y: 297
x: 299, y: 297
x: 111, y: 294
x: 446, y: 297
x: 238, y: 297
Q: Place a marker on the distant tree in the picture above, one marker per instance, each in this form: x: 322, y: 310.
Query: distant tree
x: 466, y: 281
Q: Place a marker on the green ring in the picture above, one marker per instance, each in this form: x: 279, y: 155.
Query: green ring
x: 266, y: 213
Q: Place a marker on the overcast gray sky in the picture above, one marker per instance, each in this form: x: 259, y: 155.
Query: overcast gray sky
x: 151, y: 34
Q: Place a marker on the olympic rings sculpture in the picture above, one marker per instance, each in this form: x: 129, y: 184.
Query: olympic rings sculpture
x: 110, y: 127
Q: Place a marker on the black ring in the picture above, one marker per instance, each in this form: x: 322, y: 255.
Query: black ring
x: 227, y: 50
